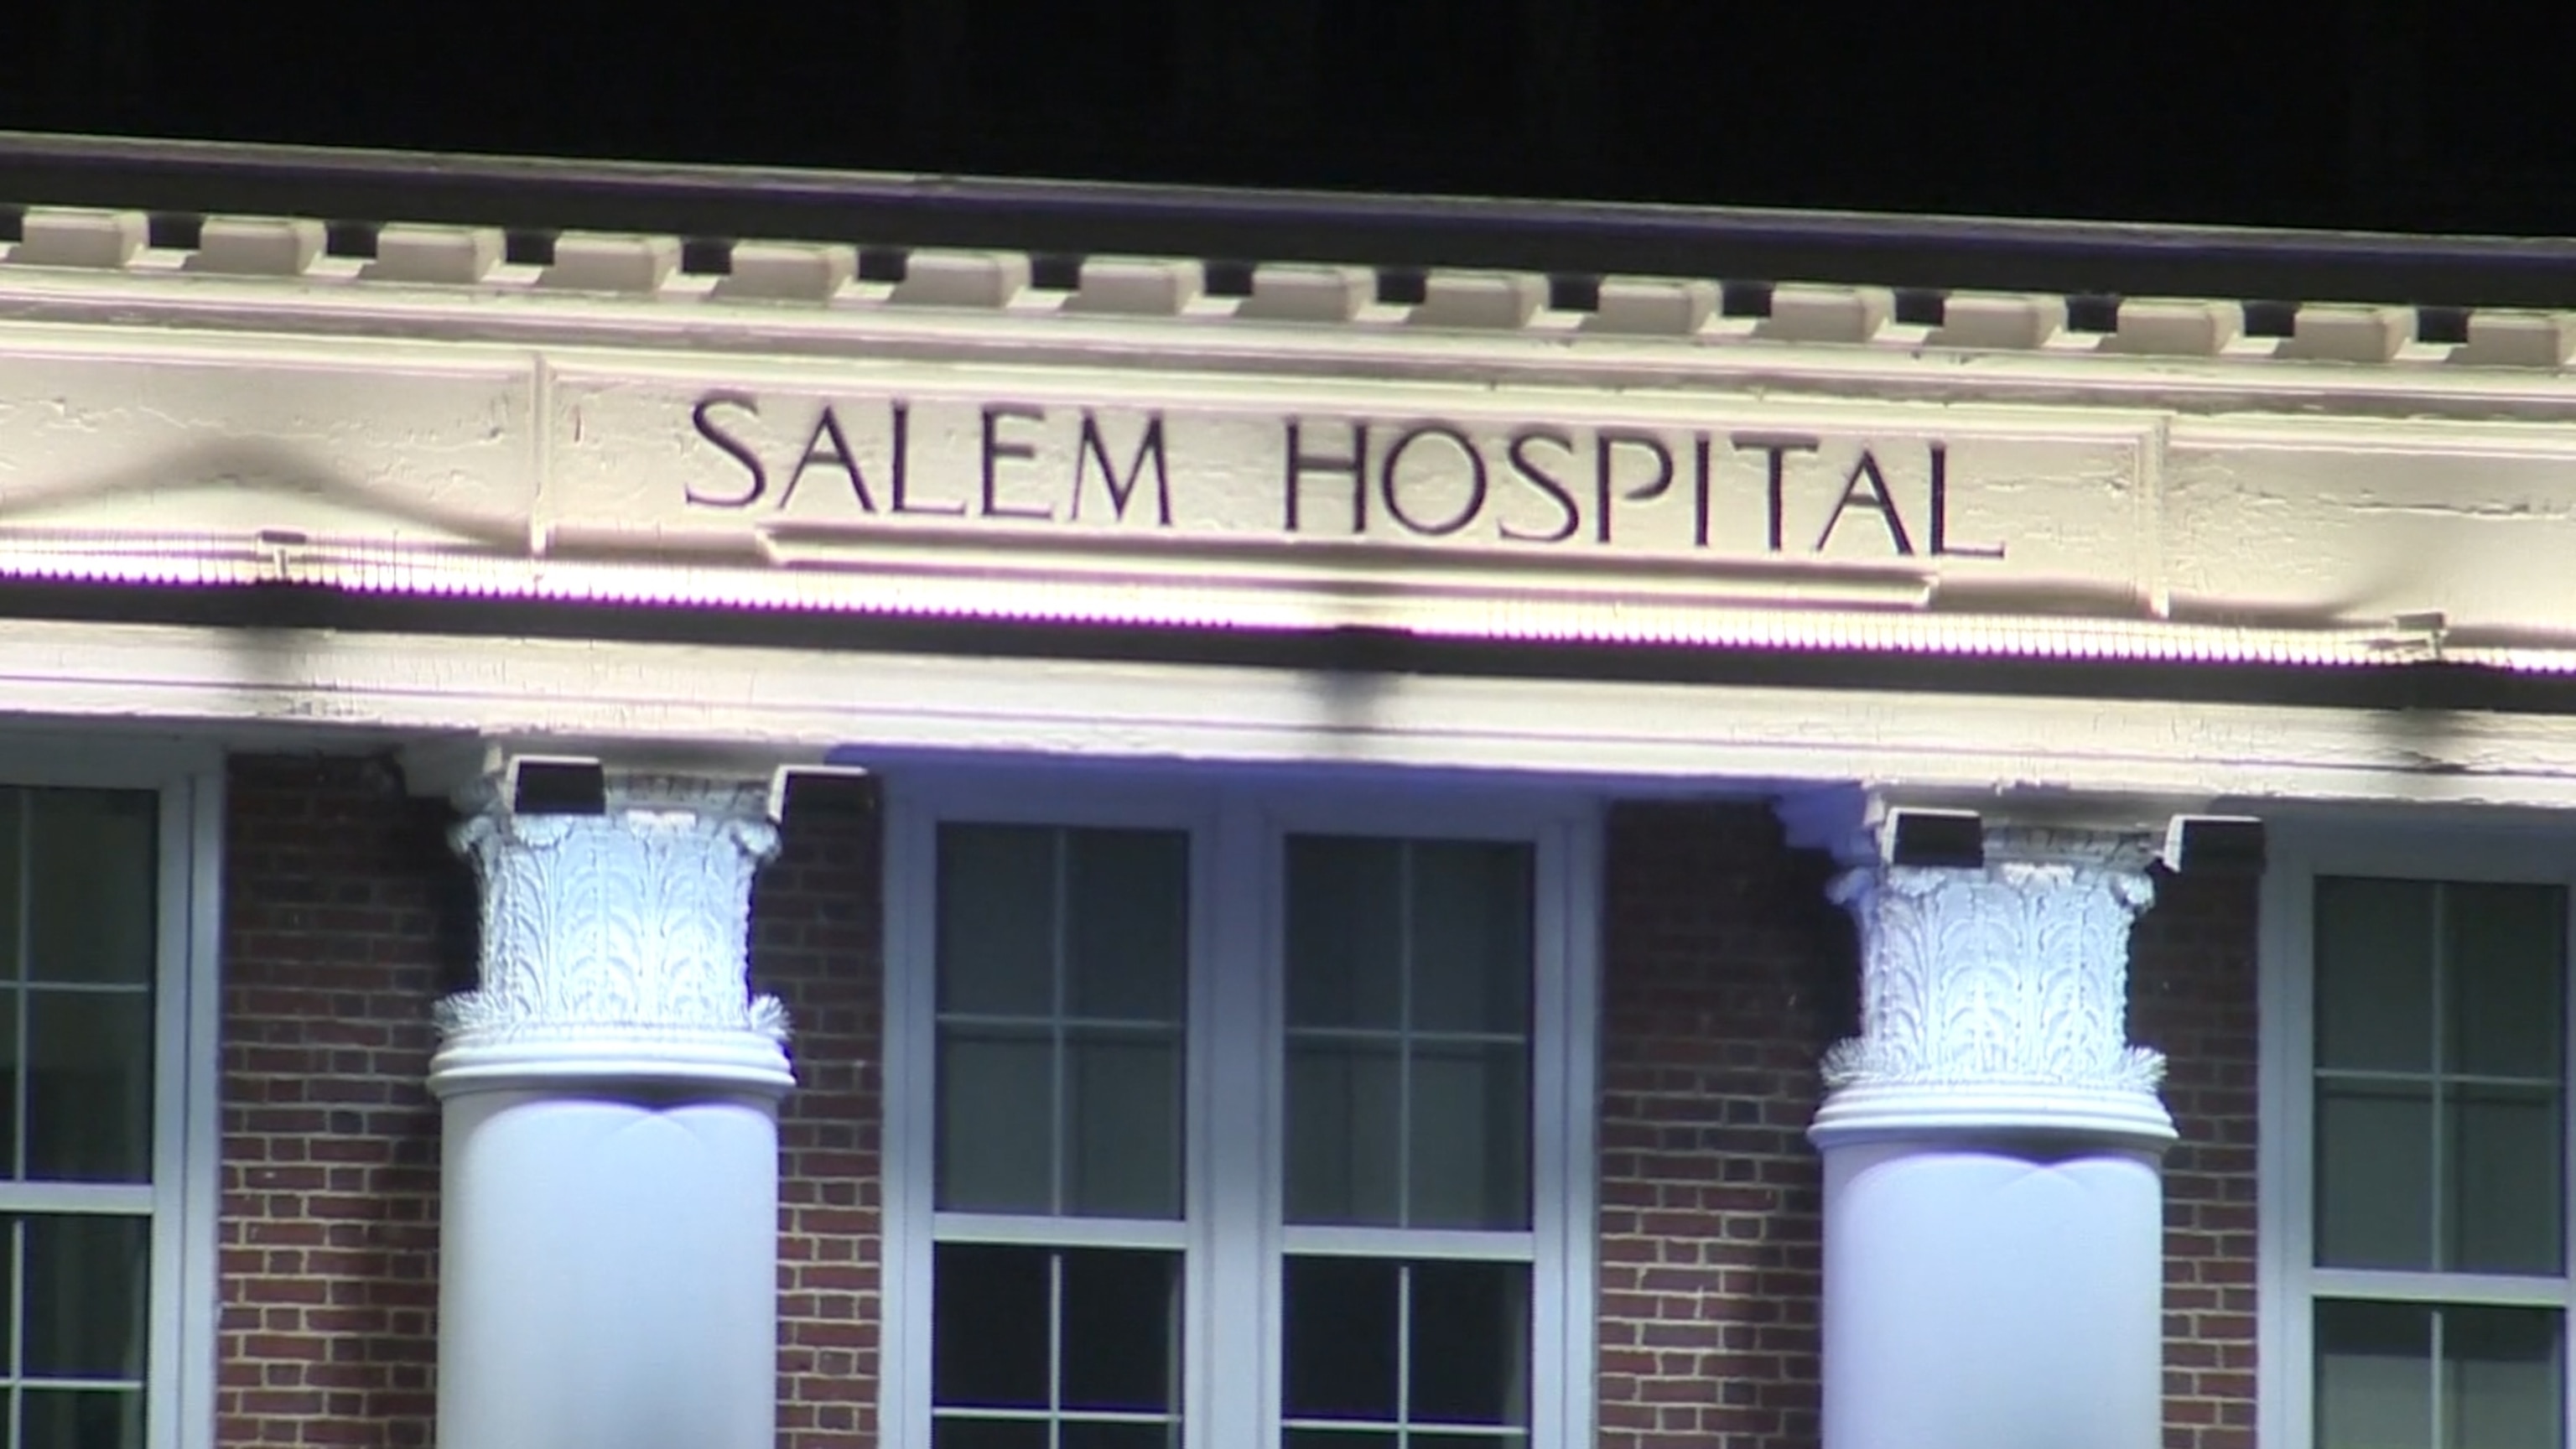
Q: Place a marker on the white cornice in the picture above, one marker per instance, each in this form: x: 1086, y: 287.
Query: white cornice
x: 601, y: 697
x: 536, y: 434
x: 2517, y: 358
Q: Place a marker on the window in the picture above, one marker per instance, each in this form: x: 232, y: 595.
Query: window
x: 1220, y: 1119
x: 2416, y: 1196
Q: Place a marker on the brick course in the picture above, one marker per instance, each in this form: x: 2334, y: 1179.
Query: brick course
x: 815, y: 942
x: 2192, y: 992
x: 346, y: 916
x: 338, y: 892
x: 1726, y: 973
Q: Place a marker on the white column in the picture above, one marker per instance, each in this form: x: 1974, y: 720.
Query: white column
x: 608, y: 1259
x: 1993, y: 1237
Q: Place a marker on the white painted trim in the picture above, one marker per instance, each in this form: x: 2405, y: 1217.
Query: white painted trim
x: 111, y: 1198
x: 1576, y: 1209
x: 187, y: 1111
x: 1409, y: 1243
x: 2516, y: 1292
x: 1065, y: 1232
x: 2288, y: 1285
x: 201, y: 1187
x: 151, y: 297
x: 908, y: 1134
x: 2284, y: 1393
x: 884, y: 707
x: 1245, y: 1171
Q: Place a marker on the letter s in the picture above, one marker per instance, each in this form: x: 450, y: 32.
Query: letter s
x: 733, y: 447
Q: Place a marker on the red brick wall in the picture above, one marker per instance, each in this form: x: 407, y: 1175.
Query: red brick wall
x: 815, y: 938
x: 329, y: 1235
x: 346, y: 917
x: 1725, y: 974
x: 2192, y: 989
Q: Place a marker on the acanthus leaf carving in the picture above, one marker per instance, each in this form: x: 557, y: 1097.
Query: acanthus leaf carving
x: 629, y: 927
x: 2010, y: 975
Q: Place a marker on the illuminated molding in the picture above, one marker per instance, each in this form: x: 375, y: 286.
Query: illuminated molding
x: 1994, y: 997
x: 615, y: 945
x: 1830, y: 613
x: 588, y: 266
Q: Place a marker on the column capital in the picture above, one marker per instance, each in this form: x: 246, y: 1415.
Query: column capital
x: 1994, y: 996
x: 615, y: 944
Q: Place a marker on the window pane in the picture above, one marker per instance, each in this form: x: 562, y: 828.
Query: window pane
x: 89, y: 1086
x: 990, y: 1315
x: 969, y: 1433
x: 86, y: 1280
x: 2505, y: 1172
x: 996, y: 1121
x: 1342, y: 1335
x: 82, y: 1419
x: 90, y: 896
x: 2502, y: 1003
x: 1408, y: 1075
x: 2501, y: 1383
x: 1470, y: 1157
x: 2374, y: 974
x: 13, y: 825
x: 1047, y: 927
x: 2374, y: 1192
x: 1128, y: 898
x: 997, y: 900
x: 1345, y: 932
x: 2374, y: 1376
x: 1122, y: 1332
x: 1125, y: 1121
x: 1470, y: 1343
x: 9, y: 1079
x: 1471, y: 936
x: 1345, y: 1123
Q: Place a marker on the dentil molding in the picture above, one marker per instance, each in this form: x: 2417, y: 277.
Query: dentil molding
x: 616, y: 945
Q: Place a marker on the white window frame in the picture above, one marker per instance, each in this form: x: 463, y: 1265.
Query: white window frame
x: 2287, y: 1283
x: 1237, y: 830
x: 185, y: 1193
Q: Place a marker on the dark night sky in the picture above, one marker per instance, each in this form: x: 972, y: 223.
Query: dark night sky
x: 2395, y: 113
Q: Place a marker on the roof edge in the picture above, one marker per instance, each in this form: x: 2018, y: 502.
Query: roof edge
x: 1563, y: 238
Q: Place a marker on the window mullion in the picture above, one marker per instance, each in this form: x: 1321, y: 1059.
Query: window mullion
x: 1060, y: 1144
x: 1055, y: 1350
x: 25, y: 828
x: 912, y: 1117
x: 2441, y: 1376
x: 1233, y: 1205
x: 2567, y: 1163
x: 2439, y: 1056
x: 1404, y: 1036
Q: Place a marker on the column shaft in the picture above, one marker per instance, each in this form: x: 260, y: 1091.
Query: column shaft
x: 1993, y: 1207
x: 608, y: 1274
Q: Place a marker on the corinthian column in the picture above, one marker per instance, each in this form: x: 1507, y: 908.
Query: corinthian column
x: 1993, y: 1207
x: 608, y: 1274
